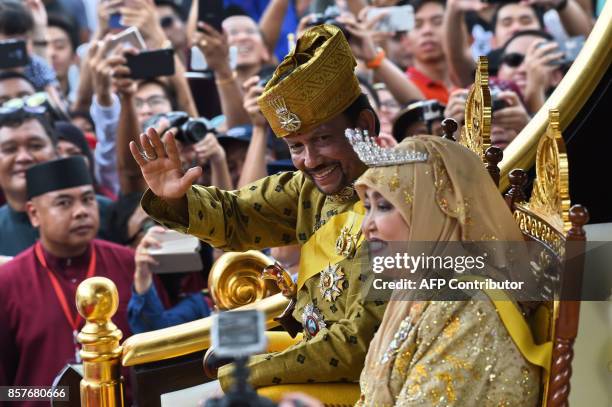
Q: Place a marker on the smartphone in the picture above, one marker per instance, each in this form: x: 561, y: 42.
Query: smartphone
x: 571, y: 48
x: 13, y: 54
x: 198, y: 60
x: 151, y: 64
x: 130, y: 36
x: 211, y: 12
x: 397, y: 19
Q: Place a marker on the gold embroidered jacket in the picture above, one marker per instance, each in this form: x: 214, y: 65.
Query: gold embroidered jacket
x: 279, y: 210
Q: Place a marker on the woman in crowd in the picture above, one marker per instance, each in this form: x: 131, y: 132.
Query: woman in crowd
x: 427, y: 352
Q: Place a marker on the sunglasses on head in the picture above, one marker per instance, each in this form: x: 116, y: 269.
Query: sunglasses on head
x: 513, y: 59
x: 31, y: 101
x: 38, y: 110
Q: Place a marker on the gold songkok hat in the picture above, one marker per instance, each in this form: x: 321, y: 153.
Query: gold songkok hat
x: 315, y: 82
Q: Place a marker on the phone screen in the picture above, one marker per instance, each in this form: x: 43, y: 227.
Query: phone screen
x: 151, y: 64
x: 211, y: 13
x: 114, y: 21
x: 13, y: 54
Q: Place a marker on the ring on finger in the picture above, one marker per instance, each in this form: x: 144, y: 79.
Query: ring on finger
x: 204, y: 43
x: 149, y: 157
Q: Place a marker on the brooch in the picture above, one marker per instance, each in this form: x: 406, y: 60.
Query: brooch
x: 287, y: 119
x: 330, y: 282
x: 312, y: 320
x: 346, y: 243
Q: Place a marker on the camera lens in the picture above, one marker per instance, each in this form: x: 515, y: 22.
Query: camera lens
x: 194, y: 130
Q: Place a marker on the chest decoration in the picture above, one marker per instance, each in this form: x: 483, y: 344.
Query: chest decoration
x: 331, y: 280
x: 346, y: 194
x: 312, y: 320
x: 346, y: 243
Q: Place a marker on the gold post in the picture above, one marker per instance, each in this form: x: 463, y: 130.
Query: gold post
x: 102, y: 385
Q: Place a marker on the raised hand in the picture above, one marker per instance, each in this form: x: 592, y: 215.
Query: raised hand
x: 252, y: 92
x: 161, y: 165
x: 209, y: 149
x: 213, y: 45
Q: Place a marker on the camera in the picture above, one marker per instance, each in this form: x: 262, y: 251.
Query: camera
x: 188, y: 130
x: 236, y: 335
x: 329, y: 17
x: 265, y: 74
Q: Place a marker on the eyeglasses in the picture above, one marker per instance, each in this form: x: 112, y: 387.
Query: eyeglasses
x: 152, y: 101
x: 513, y: 59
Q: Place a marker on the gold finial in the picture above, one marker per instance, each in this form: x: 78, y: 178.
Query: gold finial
x: 476, y: 132
x: 102, y: 385
x: 97, y: 299
x: 550, y: 196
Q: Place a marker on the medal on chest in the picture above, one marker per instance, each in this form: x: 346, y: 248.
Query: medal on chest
x: 312, y: 320
x: 330, y: 282
x: 346, y: 243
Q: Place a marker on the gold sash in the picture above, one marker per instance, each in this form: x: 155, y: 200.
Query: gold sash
x: 320, y: 250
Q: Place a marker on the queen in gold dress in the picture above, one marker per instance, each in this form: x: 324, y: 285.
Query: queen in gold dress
x: 440, y: 353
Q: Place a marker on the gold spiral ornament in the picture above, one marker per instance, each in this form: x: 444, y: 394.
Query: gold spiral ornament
x: 235, y: 279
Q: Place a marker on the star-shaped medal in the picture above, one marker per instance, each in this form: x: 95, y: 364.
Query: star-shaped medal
x: 330, y: 282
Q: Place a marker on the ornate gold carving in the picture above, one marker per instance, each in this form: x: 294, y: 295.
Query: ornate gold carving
x: 546, y: 216
x: 537, y: 228
x: 550, y: 196
x: 282, y: 278
x: 476, y: 132
x: 234, y: 280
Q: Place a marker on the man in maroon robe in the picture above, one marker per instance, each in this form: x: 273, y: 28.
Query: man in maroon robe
x: 36, y: 328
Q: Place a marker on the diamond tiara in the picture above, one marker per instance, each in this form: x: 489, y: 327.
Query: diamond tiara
x: 373, y: 155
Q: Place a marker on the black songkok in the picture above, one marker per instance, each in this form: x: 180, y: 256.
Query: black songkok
x: 57, y: 174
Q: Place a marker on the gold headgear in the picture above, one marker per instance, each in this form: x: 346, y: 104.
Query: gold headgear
x: 315, y: 82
